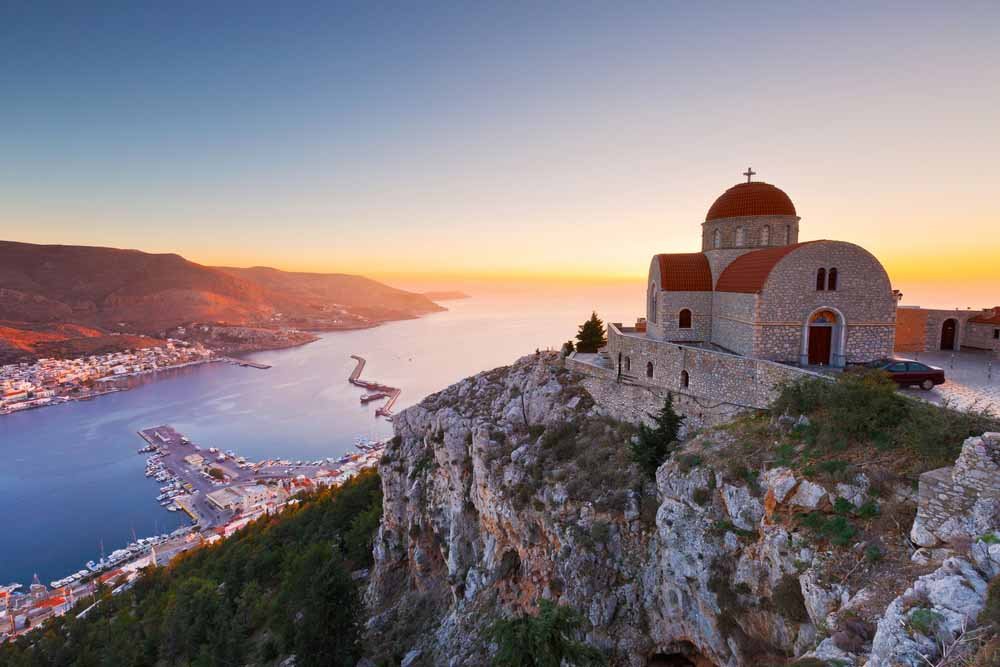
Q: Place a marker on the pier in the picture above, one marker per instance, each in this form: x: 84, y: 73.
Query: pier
x: 375, y: 390
x: 245, y: 363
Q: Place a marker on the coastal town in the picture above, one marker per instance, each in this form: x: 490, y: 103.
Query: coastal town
x: 220, y: 491
x: 53, y: 381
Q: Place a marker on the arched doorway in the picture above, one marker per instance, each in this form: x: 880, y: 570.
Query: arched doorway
x: 823, y: 343
x: 949, y: 334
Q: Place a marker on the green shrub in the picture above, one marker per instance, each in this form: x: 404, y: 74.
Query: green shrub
x: 654, y: 444
x: 843, y: 506
x: 546, y: 640
x: 925, y: 621
x: 865, y: 407
x: 687, y: 462
x: 869, y: 510
x: 838, y: 529
x: 991, y: 612
x: 873, y: 553
x: 701, y: 496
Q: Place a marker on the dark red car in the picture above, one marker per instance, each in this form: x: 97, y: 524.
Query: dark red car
x: 907, y: 372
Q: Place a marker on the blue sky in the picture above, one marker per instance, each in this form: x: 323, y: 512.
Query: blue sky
x: 554, y: 138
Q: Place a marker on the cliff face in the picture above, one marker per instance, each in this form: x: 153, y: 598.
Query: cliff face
x: 514, y: 485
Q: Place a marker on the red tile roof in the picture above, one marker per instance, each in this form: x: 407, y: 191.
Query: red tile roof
x: 51, y: 602
x: 988, y: 319
x: 685, y: 272
x: 756, y: 198
x: 749, y: 272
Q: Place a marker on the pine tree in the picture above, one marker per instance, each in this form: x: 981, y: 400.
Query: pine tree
x: 654, y: 444
x: 591, y: 335
x: 545, y: 640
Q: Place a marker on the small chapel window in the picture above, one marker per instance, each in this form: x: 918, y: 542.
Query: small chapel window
x: 831, y: 282
x: 717, y: 239
x: 740, y: 237
x: 821, y: 280
x: 685, y: 379
x: 996, y: 334
x: 628, y: 363
x: 788, y: 234
x: 684, y: 319
x: 649, y: 369
x: 765, y: 235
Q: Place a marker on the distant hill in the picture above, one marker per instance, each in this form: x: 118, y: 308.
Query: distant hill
x: 109, y: 290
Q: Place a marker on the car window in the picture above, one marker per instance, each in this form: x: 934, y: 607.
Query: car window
x: 897, y: 368
x: 914, y: 366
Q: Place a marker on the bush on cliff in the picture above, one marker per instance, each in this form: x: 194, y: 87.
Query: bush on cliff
x: 866, y: 408
x: 546, y: 640
x: 654, y: 443
x: 591, y: 335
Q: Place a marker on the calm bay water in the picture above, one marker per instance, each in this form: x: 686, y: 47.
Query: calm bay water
x: 70, y: 476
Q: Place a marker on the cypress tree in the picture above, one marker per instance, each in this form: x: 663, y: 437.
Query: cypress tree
x: 591, y: 335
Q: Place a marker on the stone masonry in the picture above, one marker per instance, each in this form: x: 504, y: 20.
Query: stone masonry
x: 961, y: 501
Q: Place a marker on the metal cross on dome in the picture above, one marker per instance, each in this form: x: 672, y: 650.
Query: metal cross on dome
x: 749, y: 172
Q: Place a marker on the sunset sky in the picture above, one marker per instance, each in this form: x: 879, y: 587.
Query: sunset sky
x: 566, y: 140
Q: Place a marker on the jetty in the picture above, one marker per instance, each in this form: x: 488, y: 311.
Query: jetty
x: 245, y: 363
x: 375, y: 390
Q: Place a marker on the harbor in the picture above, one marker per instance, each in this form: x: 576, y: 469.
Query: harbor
x: 376, y: 391
x: 220, y: 491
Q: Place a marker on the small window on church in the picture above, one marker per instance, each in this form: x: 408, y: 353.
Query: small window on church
x: 717, y: 239
x: 649, y: 369
x: 821, y: 280
x: 996, y: 334
x: 684, y: 319
x: 788, y: 234
x: 740, y: 237
x: 831, y: 283
x: 685, y: 379
x: 651, y: 315
x: 628, y: 363
x: 765, y: 235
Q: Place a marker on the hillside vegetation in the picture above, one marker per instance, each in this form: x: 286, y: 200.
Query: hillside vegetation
x: 281, y: 586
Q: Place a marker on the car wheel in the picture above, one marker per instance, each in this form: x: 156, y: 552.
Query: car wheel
x: 927, y: 385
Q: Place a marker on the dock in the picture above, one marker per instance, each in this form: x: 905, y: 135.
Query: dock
x: 375, y: 389
x: 246, y: 364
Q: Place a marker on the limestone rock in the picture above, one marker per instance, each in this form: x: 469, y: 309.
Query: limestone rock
x: 808, y: 495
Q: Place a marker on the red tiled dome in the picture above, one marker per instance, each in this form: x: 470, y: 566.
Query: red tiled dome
x: 756, y: 198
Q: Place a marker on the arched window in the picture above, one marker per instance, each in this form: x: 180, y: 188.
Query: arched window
x: 788, y: 234
x: 821, y: 280
x: 649, y: 369
x: 628, y: 363
x: 765, y: 235
x: 831, y: 281
x: 740, y: 237
x: 717, y: 239
x: 684, y: 319
x: 685, y: 379
x: 651, y: 315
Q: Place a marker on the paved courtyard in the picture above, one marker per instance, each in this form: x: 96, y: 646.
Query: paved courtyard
x: 969, y: 382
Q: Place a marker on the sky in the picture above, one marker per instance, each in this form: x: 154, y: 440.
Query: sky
x: 517, y: 141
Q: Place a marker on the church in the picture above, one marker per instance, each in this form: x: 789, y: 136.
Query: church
x: 756, y: 292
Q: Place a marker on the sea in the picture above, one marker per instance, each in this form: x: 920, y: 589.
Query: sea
x: 72, y: 482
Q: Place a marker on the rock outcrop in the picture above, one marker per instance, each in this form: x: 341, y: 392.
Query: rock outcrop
x: 516, y: 485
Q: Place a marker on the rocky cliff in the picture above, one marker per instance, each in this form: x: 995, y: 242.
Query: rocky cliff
x: 516, y: 484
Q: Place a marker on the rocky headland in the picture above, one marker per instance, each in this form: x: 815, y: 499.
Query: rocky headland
x: 517, y: 485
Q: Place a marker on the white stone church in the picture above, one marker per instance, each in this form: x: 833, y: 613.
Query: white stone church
x: 755, y: 298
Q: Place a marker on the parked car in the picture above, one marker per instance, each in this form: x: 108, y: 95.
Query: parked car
x: 907, y: 372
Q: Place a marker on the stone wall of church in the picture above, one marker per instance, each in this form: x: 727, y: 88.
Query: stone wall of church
x: 863, y: 296
x: 668, y: 308
x: 712, y: 377
x: 733, y: 316
x: 781, y: 230
x: 718, y: 260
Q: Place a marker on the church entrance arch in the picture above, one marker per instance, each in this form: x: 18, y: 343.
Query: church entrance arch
x: 823, y: 339
x: 949, y: 331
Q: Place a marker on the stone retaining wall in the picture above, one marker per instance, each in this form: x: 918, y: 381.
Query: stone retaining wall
x: 960, y: 501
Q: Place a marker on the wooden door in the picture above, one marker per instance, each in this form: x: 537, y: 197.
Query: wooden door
x: 948, y: 335
x: 820, y: 340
